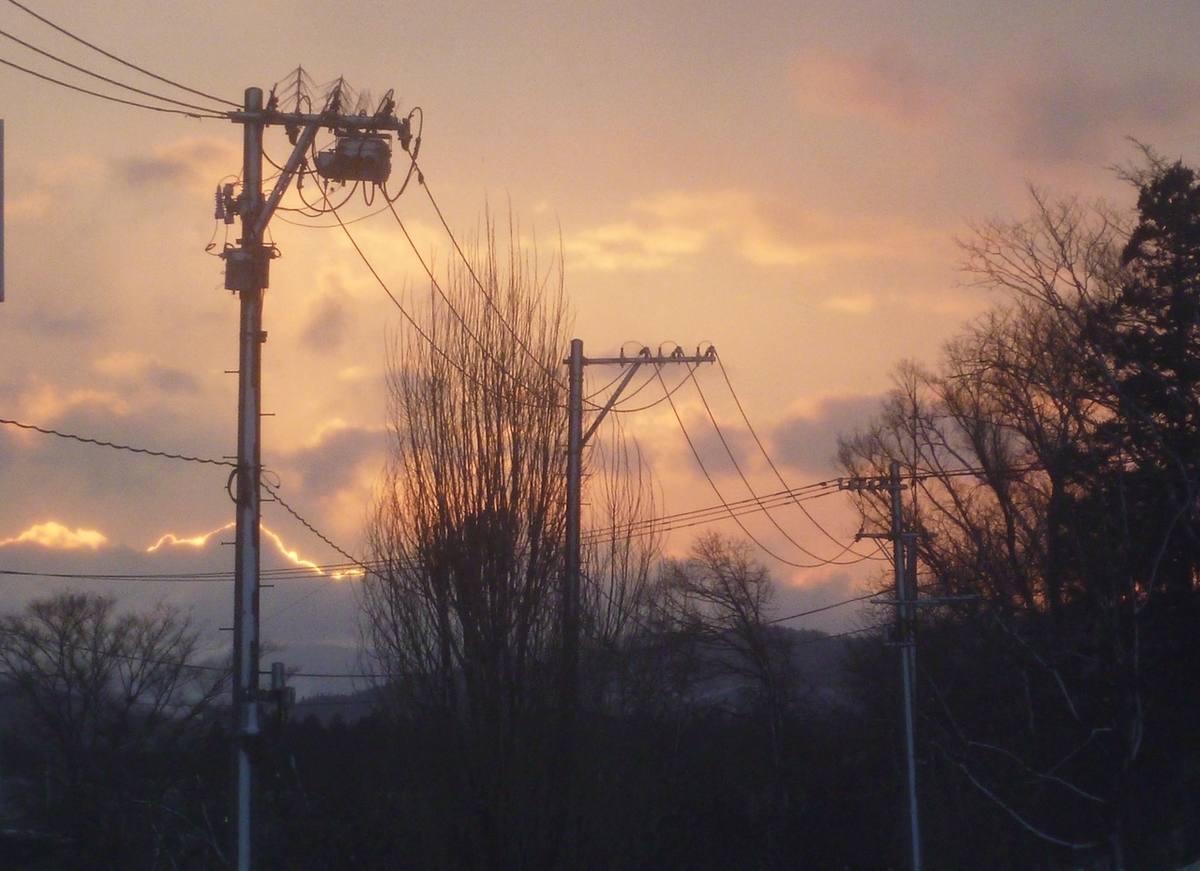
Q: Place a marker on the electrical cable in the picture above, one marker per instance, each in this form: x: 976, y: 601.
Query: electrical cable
x: 122, y: 61
x: 703, y: 516
x: 100, y: 77
x: 163, y: 109
x: 115, y: 445
x: 749, y: 487
x: 713, y: 484
x: 864, y: 597
x: 754, y: 434
x: 520, y: 387
x: 292, y: 511
x: 470, y: 269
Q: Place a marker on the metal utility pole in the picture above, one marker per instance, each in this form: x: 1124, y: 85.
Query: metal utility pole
x: 906, y: 598
x: 362, y: 154
x: 249, y: 468
x: 577, y: 440
x: 905, y: 577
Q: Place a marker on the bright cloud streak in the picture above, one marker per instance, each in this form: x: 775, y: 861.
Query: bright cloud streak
x: 58, y: 537
x: 170, y: 539
x: 47, y: 403
x: 174, y: 540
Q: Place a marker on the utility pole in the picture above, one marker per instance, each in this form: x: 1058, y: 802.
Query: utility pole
x: 577, y: 440
x: 906, y: 598
x: 905, y: 576
x: 362, y: 154
x: 249, y: 470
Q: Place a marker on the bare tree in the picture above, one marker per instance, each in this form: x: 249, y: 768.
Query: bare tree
x: 721, y: 599
x: 621, y: 552
x: 1033, y: 497
x: 468, y: 531
x: 114, y: 695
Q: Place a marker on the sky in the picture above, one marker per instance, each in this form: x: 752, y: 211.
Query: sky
x: 783, y: 180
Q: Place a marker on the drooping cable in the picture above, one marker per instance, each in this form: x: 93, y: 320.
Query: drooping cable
x: 120, y: 60
x: 770, y: 463
x: 115, y: 445
x: 720, y: 497
x: 519, y: 388
x: 163, y: 109
x: 471, y: 270
x: 100, y: 77
x: 847, y: 548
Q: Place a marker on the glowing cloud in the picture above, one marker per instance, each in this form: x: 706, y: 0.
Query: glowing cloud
x: 172, y: 540
x: 48, y: 404
x: 860, y: 304
x: 294, y: 557
x: 765, y: 232
x: 58, y: 537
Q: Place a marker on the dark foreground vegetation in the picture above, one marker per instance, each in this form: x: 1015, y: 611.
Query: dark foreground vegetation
x: 1053, y: 465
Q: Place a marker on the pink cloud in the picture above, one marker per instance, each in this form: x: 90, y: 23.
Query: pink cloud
x: 887, y: 86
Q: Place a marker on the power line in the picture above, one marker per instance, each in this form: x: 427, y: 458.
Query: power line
x: 822, y: 609
x: 115, y: 445
x: 741, y: 474
x: 716, y: 490
x: 470, y: 269
x: 521, y: 388
x: 120, y: 60
x: 108, y: 97
x: 100, y: 77
x: 767, y: 456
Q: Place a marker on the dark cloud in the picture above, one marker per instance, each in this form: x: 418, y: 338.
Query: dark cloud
x: 889, y: 83
x: 181, y: 163
x: 1062, y: 115
x: 715, y: 454
x: 327, y: 326
x: 332, y: 465
x: 171, y: 380
x: 808, y: 441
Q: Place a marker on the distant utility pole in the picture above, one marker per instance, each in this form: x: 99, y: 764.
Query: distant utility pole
x: 362, y: 153
x: 577, y: 439
x: 905, y: 576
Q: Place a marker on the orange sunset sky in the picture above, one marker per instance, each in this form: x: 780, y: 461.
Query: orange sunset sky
x: 784, y: 180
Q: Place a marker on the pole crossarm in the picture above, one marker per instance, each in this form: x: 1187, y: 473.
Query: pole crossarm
x: 634, y: 363
x: 377, y: 123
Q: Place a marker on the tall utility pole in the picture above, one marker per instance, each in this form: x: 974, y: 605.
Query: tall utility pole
x: 906, y: 599
x: 249, y: 471
x: 577, y: 440
x: 362, y: 154
x: 905, y: 578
